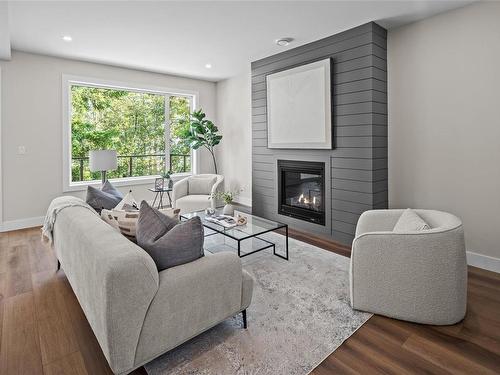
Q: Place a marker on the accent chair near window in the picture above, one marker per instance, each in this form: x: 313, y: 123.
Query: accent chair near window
x: 193, y: 193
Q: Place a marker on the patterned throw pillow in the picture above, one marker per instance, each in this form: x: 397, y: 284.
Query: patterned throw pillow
x: 125, y: 221
x: 167, y: 241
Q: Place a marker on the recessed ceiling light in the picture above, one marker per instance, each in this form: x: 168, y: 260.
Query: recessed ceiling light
x: 208, y: 66
x: 67, y: 38
x: 282, y: 42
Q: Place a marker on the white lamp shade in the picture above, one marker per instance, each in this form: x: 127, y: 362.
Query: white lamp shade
x: 102, y: 160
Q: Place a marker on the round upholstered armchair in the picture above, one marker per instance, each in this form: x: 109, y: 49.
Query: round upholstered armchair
x: 193, y: 193
x: 419, y: 276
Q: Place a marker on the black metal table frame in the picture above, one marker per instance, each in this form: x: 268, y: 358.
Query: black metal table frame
x: 250, y: 236
x: 159, y: 193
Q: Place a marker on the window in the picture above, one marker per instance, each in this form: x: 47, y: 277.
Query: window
x: 143, y: 126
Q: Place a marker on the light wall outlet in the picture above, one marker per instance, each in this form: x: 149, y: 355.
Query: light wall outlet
x: 21, y: 150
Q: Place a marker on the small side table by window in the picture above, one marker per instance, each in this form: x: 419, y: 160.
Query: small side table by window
x: 158, y: 201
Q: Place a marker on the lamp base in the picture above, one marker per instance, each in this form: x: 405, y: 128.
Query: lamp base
x: 103, y: 177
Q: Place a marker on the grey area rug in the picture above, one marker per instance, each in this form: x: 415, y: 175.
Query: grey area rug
x: 299, y: 314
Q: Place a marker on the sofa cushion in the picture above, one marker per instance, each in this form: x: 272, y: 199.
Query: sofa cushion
x: 190, y: 203
x: 201, y: 184
x: 107, y: 197
x: 167, y: 241
x: 409, y: 221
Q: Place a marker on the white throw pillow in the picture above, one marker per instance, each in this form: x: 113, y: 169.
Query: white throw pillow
x: 409, y: 221
x: 127, y: 199
x: 201, y: 184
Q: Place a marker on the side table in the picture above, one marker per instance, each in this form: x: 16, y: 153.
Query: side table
x: 158, y: 200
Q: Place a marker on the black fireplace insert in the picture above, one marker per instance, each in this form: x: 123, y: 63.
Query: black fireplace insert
x: 301, y: 190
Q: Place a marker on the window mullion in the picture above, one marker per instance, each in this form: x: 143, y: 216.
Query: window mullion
x: 167, y: 132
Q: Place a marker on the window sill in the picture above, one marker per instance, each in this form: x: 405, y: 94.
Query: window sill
x: 127, y: 181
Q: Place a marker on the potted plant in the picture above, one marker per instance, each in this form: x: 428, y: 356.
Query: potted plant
x: 228, y: 198
x: 201, y: 133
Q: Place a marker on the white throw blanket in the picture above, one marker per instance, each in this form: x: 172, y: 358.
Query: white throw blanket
x: 55, y: 207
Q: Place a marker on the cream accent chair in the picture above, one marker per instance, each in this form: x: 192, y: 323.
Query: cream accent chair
x: 193, y: 193
x: 419, y: 276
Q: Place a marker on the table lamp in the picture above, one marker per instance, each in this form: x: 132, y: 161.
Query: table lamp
x: 102, y: 160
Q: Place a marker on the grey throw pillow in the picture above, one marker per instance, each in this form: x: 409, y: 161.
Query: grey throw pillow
x: 108, y: 197
x: 167, y: 241
x: 110, y: 189
x: 409, y: 221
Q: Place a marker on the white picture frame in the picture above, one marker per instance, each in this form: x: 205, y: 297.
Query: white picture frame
x: 299, y: 108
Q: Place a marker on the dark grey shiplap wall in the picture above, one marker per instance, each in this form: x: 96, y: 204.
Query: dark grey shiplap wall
x: 357, y: 167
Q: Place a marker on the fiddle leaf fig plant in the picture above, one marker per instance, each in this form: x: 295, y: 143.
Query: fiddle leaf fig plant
x: 201, y: 133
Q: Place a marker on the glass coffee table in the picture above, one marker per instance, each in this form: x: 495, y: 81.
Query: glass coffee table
x: 251, y: 232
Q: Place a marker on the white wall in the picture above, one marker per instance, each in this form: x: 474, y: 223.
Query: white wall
x: 234, y: 111
x: 444, y: 120
x: 32, y: 116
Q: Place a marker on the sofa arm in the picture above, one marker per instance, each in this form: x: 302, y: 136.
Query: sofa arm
x: 179, y: 190
x: 192, y: 298
x: 113, y: 279
x: 217, y: 186
x: 377, y: 221
x: 404, y: 275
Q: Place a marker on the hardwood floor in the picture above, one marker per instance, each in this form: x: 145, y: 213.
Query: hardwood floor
x: 44, y: 331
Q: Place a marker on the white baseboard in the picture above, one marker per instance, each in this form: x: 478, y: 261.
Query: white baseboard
x: 483, y: 261
x: 21, y: 223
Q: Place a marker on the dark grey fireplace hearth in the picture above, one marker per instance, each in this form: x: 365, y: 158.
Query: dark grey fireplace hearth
x: 355, y: 171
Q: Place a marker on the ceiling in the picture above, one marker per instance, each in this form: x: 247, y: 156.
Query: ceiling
x: 181, y: 37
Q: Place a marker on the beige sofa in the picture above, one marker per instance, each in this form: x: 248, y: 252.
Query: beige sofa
x: 136, y: 312
x: 193, y: 193
x: 420, y: 276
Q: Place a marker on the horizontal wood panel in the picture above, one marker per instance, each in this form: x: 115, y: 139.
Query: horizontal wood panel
x: 355, y: 208
x: 343, y: 227
x: 346, y: 217
x: 356, y: 186
x: 264, y: 183
x: 359, y: 175
x: 362, y: 84
x: 259, y: 134
x: 352, y: 163
x: 361, y: 131
x: 361, y: 119
x: 361, y: 141
x: 360, y: 96
x: 364, y: 107
x: 352, y: 196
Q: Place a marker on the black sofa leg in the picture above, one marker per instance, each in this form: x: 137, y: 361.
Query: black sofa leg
x: 244, y: 312
x: 58, y: 265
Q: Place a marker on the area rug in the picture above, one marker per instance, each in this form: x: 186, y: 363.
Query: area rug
x: 299, y: 314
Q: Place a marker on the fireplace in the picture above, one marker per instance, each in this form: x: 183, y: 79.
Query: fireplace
x: 301, y: 190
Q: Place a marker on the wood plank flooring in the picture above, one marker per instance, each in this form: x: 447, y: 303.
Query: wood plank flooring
x: 44, y: 331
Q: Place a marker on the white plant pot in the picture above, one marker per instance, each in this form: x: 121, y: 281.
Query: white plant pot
x: 228, y: 210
